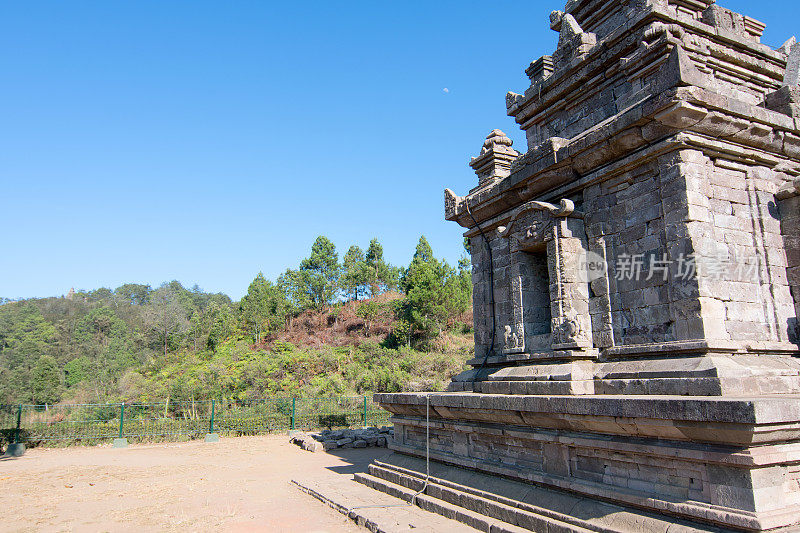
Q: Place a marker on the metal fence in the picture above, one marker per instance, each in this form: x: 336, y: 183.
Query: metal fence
x: 88, y: 423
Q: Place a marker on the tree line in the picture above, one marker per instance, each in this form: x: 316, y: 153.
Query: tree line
x: 90, y: 345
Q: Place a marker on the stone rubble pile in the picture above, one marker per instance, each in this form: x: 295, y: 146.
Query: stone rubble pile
x: 343, y: 438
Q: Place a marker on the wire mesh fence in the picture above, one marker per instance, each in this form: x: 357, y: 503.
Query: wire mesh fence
x: 90, y: 423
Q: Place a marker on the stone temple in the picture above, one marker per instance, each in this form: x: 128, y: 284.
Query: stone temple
x: 636, y: 279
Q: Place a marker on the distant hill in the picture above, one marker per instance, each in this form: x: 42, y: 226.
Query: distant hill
x: 94, y: 348
x: 312, y: 331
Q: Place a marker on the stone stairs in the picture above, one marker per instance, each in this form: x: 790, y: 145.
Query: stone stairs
x: 376, y: 511
x: 447, y: 503
x: 497, y: 505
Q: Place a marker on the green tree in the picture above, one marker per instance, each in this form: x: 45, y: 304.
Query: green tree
x: 381, y: 275
x: 355, y: 273
x: 78, y: 370
x: 100, y: 325
x: 254, y: 306
x: 402, y: 332
x: 165, y: 315
x: 434, y: 294
x: 293, y: 285
x: 460, y: 288
x: 134, y: 293
x: 221, y: 324
x: 104, y: 341
x: 24, y: 331
x: 101, y: 294
x: 320, y: 272
x: 263, y: 308
x: 369, y: 311
x: 45, y: 381
x: 196, y: 329
x: 25, y: 335
x: 423, y: 252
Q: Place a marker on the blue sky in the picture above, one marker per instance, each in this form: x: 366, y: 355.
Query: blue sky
x: 206, y: 141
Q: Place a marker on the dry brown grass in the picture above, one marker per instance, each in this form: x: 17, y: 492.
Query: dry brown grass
x: 344, y: 327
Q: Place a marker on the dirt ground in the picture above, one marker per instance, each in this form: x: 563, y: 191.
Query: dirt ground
x: 238, y: 484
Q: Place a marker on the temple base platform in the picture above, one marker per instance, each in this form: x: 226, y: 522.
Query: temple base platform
x: 602, y: 463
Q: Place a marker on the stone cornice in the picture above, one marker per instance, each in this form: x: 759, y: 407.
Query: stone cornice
x: 710, y: 120
x: 745, y: 411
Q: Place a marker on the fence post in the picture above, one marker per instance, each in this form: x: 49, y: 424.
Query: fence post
x: 211, y: 436
x: 211, y: 425
x: 121, y: 442
x: 294, y: 406
x: 19, y: 424
x: 365, y: 411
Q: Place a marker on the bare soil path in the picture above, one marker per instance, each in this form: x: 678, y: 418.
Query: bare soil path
x: 238, y: 484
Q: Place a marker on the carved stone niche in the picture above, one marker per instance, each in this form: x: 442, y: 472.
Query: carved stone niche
x: 549, y: 282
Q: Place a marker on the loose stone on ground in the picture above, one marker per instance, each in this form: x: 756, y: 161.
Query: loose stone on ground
x: 328, y: 439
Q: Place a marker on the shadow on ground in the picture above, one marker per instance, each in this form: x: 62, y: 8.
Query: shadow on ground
x: 358, y: 459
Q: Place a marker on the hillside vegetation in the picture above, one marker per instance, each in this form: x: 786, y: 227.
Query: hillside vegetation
x: 328, y: 327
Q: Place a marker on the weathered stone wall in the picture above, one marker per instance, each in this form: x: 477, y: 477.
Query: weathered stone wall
x: 789, y: 206
x: 685, y: 211
x: 481, y: 303
x: 752, y: 301
x: 627, y: 212
x: 659, y: 223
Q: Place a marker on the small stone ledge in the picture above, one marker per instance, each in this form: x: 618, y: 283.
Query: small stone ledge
x: 559, y: 355
x: 785, y: 100
x: 370, y: 437
x: 789, y: 190
x: 781, y: 410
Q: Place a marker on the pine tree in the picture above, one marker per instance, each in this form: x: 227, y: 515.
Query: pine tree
x: 382, y: 276
x: 294, y: 287
x: 320, y: 272
x: 355, y: 273
x: 435, y: 293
